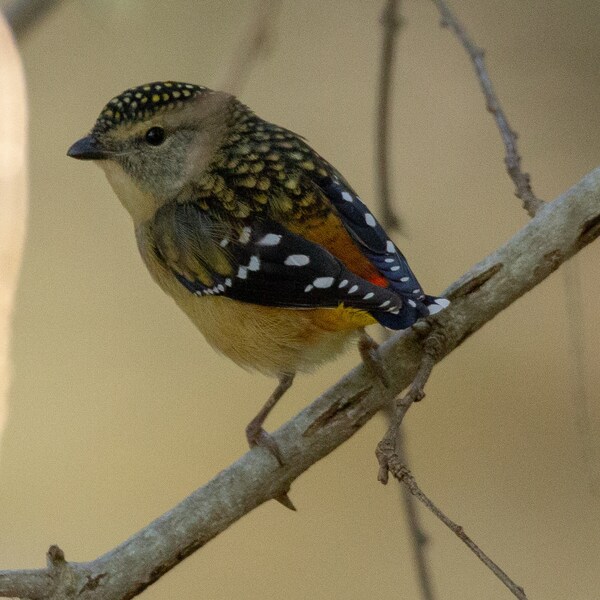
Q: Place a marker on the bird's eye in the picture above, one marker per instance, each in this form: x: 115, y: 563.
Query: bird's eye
x: 155, y: 136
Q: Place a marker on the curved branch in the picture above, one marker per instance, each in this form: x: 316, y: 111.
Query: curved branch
x: 512, y: 159
x: 559, y: 230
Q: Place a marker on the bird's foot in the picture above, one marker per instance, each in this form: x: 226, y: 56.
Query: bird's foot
x: 257, y: 436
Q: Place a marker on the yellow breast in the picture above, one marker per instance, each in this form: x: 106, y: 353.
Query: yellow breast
x: 273, y: 340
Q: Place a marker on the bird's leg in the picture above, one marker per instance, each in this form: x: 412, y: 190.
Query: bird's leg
x: 367, y: 347
x: 255, y: 434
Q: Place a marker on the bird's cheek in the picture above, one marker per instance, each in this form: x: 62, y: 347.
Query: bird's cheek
x: 198, y: 156
x: 139, y: 204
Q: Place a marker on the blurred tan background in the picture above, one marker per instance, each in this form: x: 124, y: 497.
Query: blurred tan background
x: 119, y: 408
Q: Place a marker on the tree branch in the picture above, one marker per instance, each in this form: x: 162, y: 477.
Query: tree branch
x: 559, y: 230
x: 512, y: 159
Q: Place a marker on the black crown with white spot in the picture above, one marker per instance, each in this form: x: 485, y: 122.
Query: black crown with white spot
x: 138, y: 103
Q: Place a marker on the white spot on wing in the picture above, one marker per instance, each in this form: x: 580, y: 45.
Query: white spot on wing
x: 308, y: 288
x: 224, y: 242
x: 443, y: 302
x: 245, y: 235
x: 242, y: 272
x: 343, y: 283
x: 384, y: 304
x: 271, y: 239
x: 397, y: 268
x: 347, y: 197
x: 254, y: 264
x: 323, y: 282
x: 353, y: 289
x: 412, y: 303
x: 370, y: 220
x: 228, y: 282
x: 368, y: 296
x: 434, y: 308
x: 297, y: 260
x: 390, y: 246
x: 404, y: 279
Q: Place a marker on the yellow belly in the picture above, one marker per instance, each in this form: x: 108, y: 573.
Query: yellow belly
x: 273, y: 340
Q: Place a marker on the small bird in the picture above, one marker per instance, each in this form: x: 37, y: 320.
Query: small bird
x: 257, y: 238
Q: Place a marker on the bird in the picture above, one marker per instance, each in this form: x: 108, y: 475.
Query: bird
x: 259, y: 240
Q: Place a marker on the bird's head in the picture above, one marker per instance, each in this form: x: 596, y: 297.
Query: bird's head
x: 152, y: 141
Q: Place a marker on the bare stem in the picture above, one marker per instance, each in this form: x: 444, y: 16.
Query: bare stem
x: 403, y: 475
x: 391, y: 21
x: 253, y: 46
x: 390, y: 460
x: 419, y: 539
x: 581, y: 398
x: 512, y: 159
x: 387, y: 446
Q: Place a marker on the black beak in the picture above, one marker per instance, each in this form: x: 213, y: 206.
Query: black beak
x: 88, y: 148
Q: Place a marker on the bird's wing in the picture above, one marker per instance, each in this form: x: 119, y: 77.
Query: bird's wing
x: 261, y: 262
x: 379, y: 250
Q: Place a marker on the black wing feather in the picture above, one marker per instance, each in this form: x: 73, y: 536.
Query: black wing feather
x: 381, y: 252
x: 269, y: 265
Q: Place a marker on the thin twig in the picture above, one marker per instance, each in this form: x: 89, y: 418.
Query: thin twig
x: 391, y: 21
x: 575, y: 325
x: 419, y: 539
x: 566, y: 226
x: 387, y: 446
x: 390, y: 460
x: 403, y: 475
x: 254, y: 45
x: 512, y: 158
